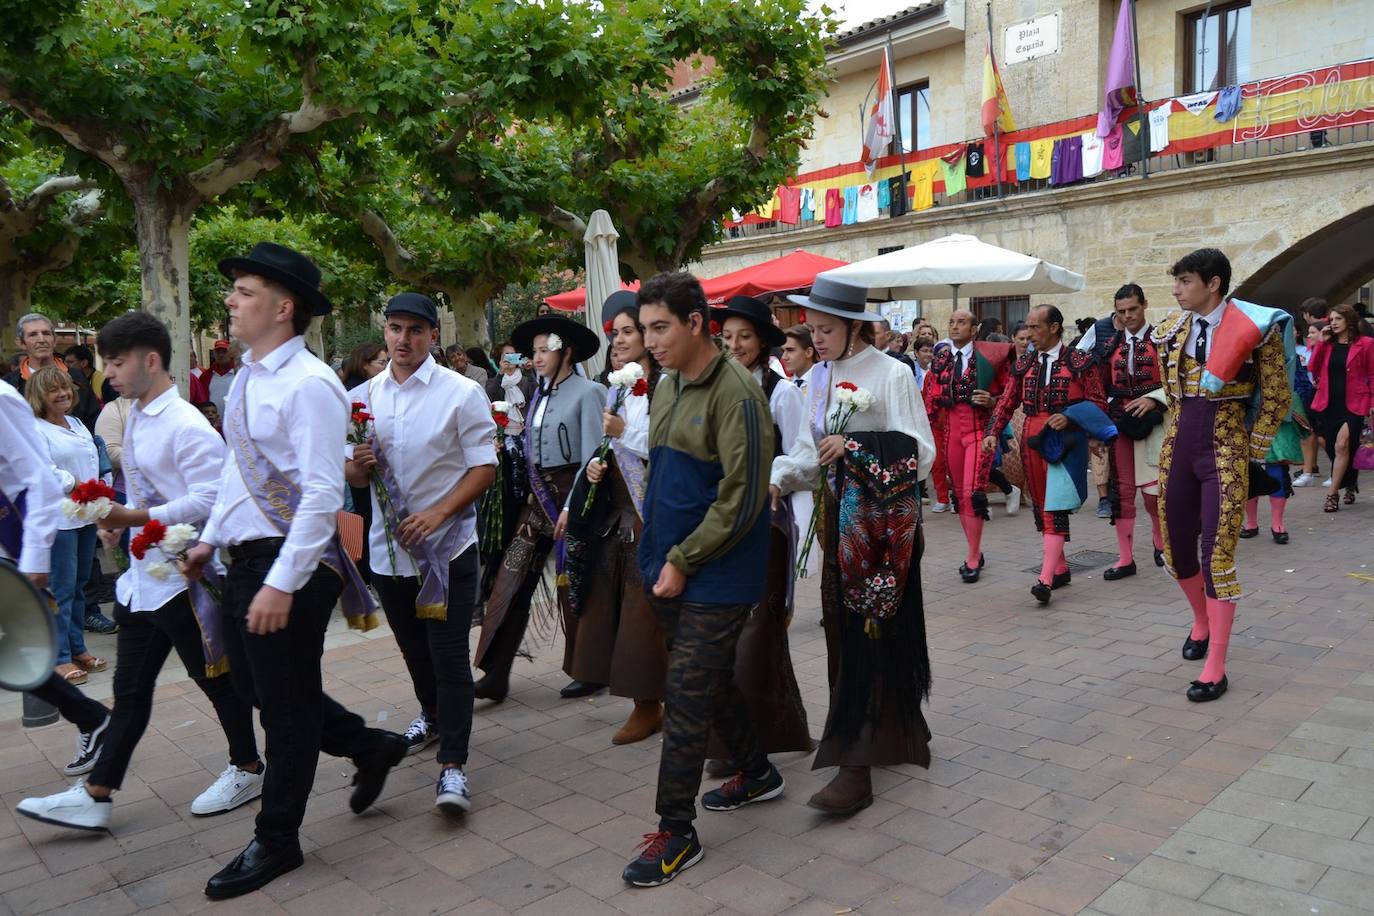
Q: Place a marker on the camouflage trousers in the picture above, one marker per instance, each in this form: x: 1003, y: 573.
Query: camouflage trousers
x: 700, y: 695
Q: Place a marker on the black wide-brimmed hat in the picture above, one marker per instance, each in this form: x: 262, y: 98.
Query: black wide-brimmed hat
x: 755, y: 312
x: 286, y: 266
x: 615, y: 303
x: 579, y: 337
x: 833, y: 297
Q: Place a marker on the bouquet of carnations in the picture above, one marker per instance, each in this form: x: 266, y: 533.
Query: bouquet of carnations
x: 359, y: 434
x: 172, y: 541
x: 626, y: 382
x: 89, y: 501
x: 851, y: 400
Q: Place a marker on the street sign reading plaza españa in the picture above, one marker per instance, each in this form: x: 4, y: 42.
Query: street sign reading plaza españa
x: 1031, y: 39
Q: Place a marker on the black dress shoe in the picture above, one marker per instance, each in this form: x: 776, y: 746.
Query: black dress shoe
x: 373, y: 768
x: 1159, y: 558
x: 1280, y: 537
x: 1041, y: 591
x: 1113, y: 573
x: 1203, y: 692
x: 1248, y: 533
x: 971, y: 575
x: 577, y: 689
x: 1194, y: 650
x: 1061, y: 579
x: 251, y: 869
x: 491, y: 687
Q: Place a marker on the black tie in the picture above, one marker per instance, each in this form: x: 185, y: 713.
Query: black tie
x: 1044, y: 376
x: 1200, y: 351
x: 958, y: 365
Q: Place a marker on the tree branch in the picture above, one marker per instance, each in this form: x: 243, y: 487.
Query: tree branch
x: 570, y: 223
x: 86, y: 134
x: 60, y: 184
x: 398, y: 259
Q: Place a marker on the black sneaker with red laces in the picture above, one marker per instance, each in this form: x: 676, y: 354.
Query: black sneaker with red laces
x: 662, y: 857
x: 744, y: 790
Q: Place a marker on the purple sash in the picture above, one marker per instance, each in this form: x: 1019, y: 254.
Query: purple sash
x: 543, y: 493
x: 202, y: 603
x: 430, y: 562
x: 631, y: 465
x: 277, y: 497
x: 12, y: 525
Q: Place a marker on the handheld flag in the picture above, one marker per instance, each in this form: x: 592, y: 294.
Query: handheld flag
x: 880, y: 127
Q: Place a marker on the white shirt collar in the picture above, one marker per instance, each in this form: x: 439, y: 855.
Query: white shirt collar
x: 1053, y: 352
x: 1214, y: 315
x: 158, y: 404
x: 278, y: 357
x: 423, y: 373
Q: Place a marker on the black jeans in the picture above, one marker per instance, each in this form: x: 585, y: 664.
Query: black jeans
x: 145, y: 640
x: 74, y: 706
x: 436, y: 651
x: 701, y: 694
x: 280, y: 674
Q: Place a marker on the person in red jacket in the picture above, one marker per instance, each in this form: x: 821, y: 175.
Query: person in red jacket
x: 1342, y: 364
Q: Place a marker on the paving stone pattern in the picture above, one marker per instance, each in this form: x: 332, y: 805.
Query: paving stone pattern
x: 1070, y: 773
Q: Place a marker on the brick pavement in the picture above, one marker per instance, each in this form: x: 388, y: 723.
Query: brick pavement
x: 1070, y: 773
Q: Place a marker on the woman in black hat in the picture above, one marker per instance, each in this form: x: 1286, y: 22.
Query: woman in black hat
x: 763, y: 660
x: 562, y: 431
x: 871, y: 604
x: 612, y: 634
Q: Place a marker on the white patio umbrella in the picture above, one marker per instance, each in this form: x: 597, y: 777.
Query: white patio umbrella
x: 947, y: 266
x: 603, y: 276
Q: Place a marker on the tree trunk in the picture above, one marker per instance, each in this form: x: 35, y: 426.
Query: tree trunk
x: 162, y: 224
x: 469, y: 307
x: 16, y: 300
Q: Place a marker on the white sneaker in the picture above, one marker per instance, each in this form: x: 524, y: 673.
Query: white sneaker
x: 73, y: 808
x: 234, y: 787
x: 88, y: 746
x: 940, y: 507
x: 1014, y: 501
x: 451, y: 793
x: 1305, y: 480
x: 1326, y: 482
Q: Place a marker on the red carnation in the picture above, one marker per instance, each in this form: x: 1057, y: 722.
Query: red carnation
x: 847, y: 386
x: 151, y: 535
x: 641, y: 388
x: 358, y: 405
x: 715, y: 328
x: 361, y: 416
x: 501, y: 420
x: 609, y: 326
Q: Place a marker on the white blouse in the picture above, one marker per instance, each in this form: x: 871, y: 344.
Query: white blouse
x: 74, y: 457
x: 794, y: 468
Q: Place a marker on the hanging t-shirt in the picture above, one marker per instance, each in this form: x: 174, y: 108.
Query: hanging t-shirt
x: 1196, y: 103
x: 975, y: 166
x: 1071, y: 160
x: 1057, y: 163
x: 1112, y: 149
x: 955, y: 175
x: 898, y: 202
x: 1092, y: 154
x: 1135, y: 133
x: 789, y: 205
x: 834, y: 207
x: 766, y: 210
x: 867, y: 207
x: 808, y: 205
x: 884, y: 195
x: 1159, y: 127
x: 1228, y: 103
x: 1041, y: 152
x: 851, y: 204
x: 923, y: 185
x: 1023, y: 161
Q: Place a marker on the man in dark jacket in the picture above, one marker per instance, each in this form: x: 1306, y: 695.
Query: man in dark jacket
x: 37, y: 335
x: 705, y: 549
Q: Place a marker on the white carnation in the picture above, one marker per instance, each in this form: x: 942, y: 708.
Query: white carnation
x: 71, y: 508
x: 500, y: 406
x: 159, y: 571
x: 633, y: 372
x: 177, y: 538
x: 553, y: 343
x: 862, y: 399
x: 843, y: 395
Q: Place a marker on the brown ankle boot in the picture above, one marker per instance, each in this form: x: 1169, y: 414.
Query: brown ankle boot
x: 646, y: 719
x: 850, y: 791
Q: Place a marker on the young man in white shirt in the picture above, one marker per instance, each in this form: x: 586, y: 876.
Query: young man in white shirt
x: 171, y: 460
x: 434, y: 449
x: 279, y: 494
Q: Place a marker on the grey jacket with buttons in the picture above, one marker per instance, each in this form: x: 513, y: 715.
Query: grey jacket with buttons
x: 571, y: 429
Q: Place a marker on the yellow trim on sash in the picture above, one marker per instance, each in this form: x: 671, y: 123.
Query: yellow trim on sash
x: 431, y: 612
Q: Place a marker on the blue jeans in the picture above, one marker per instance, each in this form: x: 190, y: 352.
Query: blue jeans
x: 73, y: 552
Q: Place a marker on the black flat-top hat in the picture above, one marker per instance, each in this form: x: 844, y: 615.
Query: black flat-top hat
x: 755, y: 312
x: 835, y: 297
x: 416, y: 305
x: 579, y: 337
x: 286, y: 266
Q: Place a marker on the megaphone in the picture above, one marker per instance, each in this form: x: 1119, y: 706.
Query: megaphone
x: 28, y: 632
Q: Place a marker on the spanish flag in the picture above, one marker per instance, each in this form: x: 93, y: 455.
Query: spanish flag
x: 996, y: 108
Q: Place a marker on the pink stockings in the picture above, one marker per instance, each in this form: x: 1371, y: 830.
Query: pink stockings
x: 1053, y: 562
x: 1212, y: 621
x: 1125, y: 531
x: 1277, y: 505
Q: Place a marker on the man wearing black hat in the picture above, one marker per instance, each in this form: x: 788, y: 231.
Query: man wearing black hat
x: 562, y: 432
x: 281, y: 487
x: 432, y: 450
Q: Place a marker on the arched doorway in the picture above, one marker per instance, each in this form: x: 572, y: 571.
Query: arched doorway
x: 1331, y: 263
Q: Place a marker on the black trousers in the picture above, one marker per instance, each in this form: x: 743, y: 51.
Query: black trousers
x: 73, y: 705
x: 145, y: 640
x: 436, y: 651
x: 279, y: 673
x: 701, y: 695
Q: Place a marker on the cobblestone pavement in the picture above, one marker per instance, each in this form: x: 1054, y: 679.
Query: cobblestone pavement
x: 1070, y: 773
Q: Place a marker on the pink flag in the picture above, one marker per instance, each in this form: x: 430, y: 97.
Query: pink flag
x: 1119, y: 92
x: 880, y: 127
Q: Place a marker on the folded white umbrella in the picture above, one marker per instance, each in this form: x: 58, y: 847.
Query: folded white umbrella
x: 955, y: 264
x: 603, y: 276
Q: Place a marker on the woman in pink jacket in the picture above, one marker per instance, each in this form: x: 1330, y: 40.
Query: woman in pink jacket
x: 1342, y: 364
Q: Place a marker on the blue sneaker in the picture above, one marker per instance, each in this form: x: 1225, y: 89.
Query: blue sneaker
x: 451, y: 792
x: 742, y: 791
x: 662, y: 857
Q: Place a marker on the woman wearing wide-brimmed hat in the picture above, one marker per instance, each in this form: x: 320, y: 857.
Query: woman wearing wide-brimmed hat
x: 871, y: 605
x: 763, y: 660
x: 562, y: 431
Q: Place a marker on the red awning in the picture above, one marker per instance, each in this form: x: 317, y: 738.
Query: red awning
x: 789, y: 273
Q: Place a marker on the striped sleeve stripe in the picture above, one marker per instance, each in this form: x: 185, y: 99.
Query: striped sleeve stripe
x: 744, y: 519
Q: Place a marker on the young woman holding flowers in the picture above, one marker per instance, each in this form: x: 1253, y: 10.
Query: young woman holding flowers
x: 612, y: 634
x: 874, y: 620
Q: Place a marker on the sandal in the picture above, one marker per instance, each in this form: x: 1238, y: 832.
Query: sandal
x: 71, y: 674
x: 1350, y: 496
x: 89, y: 662
x: 1332, y: 504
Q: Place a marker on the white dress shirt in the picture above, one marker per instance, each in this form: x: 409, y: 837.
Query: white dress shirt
x: 1045, y: 368
x: 73, y: 455
x: 433, y: 428
x: 793, y: 469
x: 170, y: 448
x: 297, y: 415
x: 25, y: 468
x: 1213, y: 318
